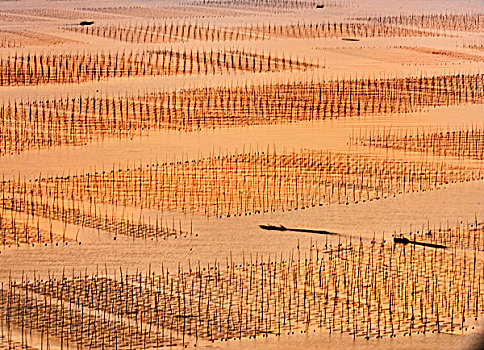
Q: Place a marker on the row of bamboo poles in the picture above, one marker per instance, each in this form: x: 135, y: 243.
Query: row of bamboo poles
x: 168, y: 32
x: 30, y: 125
x: 242, y: 184
x: 16, y: 230
x: 29, y: 220
x: 273, y: 4
x: 172, y: 12
x: 22, y: 38
x: 451, y: 54
x: 475, y: 46
x: 372, y: 290
x: 38, y: 68
x: 60, y: 14
x: 470, y: 22
x: 468, y: 143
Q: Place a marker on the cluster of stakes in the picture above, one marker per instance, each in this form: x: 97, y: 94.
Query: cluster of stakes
x: 164, y: 13
x: 448, y: 54
x: 16, y: 230
x: 273, y: 4
x: 467, y: 143
x: 458, y: 22
x: 26, y: 218
x: 218, y: 186
x: 22, y: 38
x: 426, y: 281
x: 37, y: 68
x: 180, y: 32
x: 29, y: 125
x: 8, y: 17
x: 50, y: 13
x: 169, y: 32
x: 475, y: 46
x: 235, y: 185
x: 368, y: 290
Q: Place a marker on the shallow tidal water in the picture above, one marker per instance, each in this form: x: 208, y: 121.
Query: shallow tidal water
x: 239, y: 239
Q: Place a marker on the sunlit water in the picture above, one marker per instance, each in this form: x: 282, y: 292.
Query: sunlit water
x: 240, y: 238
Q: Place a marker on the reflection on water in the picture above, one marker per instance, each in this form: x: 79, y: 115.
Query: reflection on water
x: 241, y: 237
x: 172, y: 145
x: 317, y: 340
x: 220, y: 238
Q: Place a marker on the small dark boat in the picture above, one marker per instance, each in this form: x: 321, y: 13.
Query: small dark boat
x: 350, y: 39
x: 401, y: 240
x: 320, y: 6
x: 283, y: 228
x: 86, y: 23
x: 273, y: 228
x: 404, y: 240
